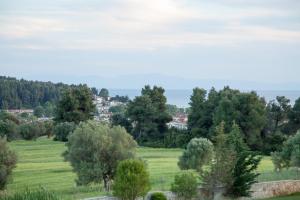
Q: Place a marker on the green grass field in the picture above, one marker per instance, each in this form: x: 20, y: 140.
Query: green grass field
x: 40, y: 164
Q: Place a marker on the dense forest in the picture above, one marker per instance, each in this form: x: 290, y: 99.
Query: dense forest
x: 15, y: 94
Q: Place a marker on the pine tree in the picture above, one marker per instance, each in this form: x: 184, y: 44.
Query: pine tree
x: 244, y: 172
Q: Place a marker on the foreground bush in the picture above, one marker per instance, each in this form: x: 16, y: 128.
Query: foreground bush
x: 158, y: 196
x: 39, y: 194
x: 8, y: 161
x: 185, y: 186
x: 132, y: 180
x: 95, y: 150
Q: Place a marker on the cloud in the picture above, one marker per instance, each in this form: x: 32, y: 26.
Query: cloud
x: 145, y: 25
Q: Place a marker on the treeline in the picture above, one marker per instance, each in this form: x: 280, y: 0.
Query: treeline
x: 16, y: 94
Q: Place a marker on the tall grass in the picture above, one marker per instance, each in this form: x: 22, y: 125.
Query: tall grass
x: 37, y: 194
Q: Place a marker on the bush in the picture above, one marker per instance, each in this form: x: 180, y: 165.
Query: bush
x: 33, y: 130
x: 95, y: 150
x: 63, y: 130
x: 185, y: 186
x: 9, y: 129
x: 132, y: 180
x: 39, y: 194
x: 158, y: 196
x: 8, y: 161
x: 199, y: 152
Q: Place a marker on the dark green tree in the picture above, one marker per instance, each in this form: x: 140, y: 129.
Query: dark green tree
x: 75, y: 106
x: 149, y: 115
x: 244, y: 172
x: 104, y: 93
x: 39, y: 111
x: 63, y: 130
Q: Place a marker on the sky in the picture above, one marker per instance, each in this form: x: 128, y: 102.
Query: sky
x: 178, y: 44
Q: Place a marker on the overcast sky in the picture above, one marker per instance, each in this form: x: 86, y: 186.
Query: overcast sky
x: 96, y: 41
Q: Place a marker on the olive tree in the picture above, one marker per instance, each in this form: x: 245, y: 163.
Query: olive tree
x: 132, y: 180
x: 199, y: 152
x: 94, y: 151
x: 8, y: 161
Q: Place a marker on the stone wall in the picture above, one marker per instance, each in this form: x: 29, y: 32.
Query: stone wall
x: 275, y: 188
x: 259, y: 191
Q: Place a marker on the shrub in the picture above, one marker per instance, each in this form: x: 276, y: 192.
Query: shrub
x: 9, y: 129
x: 38, y: 194
x: 32, y: 130
x: 132, y: 180
x: 199, y: 152
x: 8, y: 161
x: 95, y: 150
x: 63, y: 130
x: 185, y: 186
x: 158, y: 196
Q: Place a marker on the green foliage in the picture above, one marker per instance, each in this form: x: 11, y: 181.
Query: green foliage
x: 63, y: 130
x: 158, y: 196
x: 185, y: 186
x: 289, y: 156
x: 32, y: 130
x: 148, y: 113
x: 294, y: 118
x: 8, y: 162
x: 244, y: 172
x: 120, y: 109
x: 94, y: 151
x: 228, y: 105
x: 16, y: 94
x: 76, y: 105
x: 9, y: 129
x: 132, y: 180
x: 176, y: 138
x: 119, y: 119
x: 38, y: 194
x: 123, y: 99
x: 198, y: 153
x: 104, y: 93
x: 39, y: 111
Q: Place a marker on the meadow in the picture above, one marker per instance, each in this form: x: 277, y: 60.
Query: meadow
x: 40, y: 164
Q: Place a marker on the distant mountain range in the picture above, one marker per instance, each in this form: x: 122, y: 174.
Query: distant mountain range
x: 137, y: 81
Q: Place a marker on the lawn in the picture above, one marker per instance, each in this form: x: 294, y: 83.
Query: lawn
x: 290, y: 197
x: 40, y: 164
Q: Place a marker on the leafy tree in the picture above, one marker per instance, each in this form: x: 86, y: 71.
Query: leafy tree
x: 104, y: 93
x: 120, y: 109
x: 132, y: 180
x: 176, y: 138
x: 198, y: 153
x: 185, y: 186
x: 196, y: 117
x: 289, y: 156
x: 94, y: 151
x: 119, y: 119
x: 38, y: 111
x: 244, y: 172
x: 149, y: 115
x: 8, y: 161
x: 294, y: 118
x: 49, y: 109
x: 32, y: 130
x: 228, y: 105
x: 123, y: 99
x: 63, y: 130
x: 75, y: 106
x: 9, y: 129
x: 219, y: 172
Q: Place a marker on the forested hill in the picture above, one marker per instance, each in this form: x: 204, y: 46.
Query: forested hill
x: 15, y: 94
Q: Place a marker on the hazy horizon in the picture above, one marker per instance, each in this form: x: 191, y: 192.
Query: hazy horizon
x: 176, y: 44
